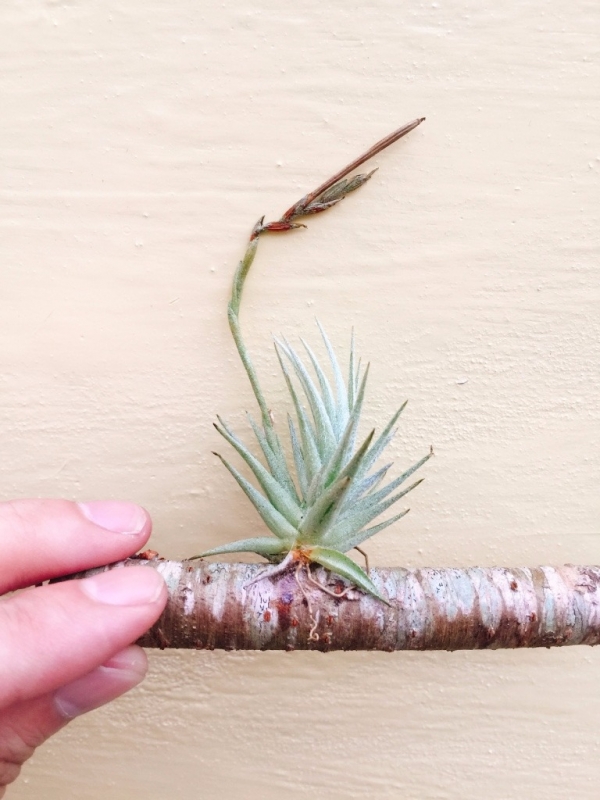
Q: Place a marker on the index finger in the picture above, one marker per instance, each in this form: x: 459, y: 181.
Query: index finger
x: 41, y: 539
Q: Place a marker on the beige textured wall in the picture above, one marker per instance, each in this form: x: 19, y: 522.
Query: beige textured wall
x: 139, y: 142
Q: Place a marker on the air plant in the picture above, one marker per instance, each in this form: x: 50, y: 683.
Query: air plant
x: 324, y: 500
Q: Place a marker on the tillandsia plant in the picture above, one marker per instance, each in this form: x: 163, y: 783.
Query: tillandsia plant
x: 320, y: 502
x: 325, y: 499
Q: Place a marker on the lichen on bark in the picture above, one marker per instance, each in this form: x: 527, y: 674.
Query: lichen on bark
x: 215, y: 606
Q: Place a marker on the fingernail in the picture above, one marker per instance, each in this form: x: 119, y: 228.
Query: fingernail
x: 121, y: 673
x: 125, y: 586
x: 115, y: 516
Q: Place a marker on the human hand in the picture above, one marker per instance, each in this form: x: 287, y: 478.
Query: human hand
x: 66, y: 648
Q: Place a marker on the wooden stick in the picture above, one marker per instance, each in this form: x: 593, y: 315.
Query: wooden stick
x: 215, y: 605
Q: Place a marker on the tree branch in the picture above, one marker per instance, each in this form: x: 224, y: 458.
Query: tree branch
x: 216, y: 606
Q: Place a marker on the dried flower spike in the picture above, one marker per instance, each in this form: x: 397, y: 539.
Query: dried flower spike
x: 322, y: 502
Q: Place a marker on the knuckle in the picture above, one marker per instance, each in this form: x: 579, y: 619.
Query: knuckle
x: 14, y: 751
x: 29, y: 622
x: 22, y: 517
x: 17, y: 618
x: 9, y: 772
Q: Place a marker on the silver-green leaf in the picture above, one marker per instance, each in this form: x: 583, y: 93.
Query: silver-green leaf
x: 342, y: 565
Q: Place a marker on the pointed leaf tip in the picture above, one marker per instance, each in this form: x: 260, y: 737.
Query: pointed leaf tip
x: 340, y: 564
x: 265, y: 546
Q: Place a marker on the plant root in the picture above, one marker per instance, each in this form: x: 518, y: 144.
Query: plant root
x: 365, y: 556
x: 270, y: 572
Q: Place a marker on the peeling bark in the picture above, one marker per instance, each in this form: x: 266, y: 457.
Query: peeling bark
x: 211, y: 606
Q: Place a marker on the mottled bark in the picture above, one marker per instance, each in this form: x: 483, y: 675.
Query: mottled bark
x: 212, y: 606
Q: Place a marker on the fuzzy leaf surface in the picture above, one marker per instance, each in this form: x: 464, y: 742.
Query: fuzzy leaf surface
x: 326, y: 392
x: 275, y: 459
x: 346, y: 529
x: 310, y: 449
x: 274, y: 521
x: 318, y: 515
x: 278, y: 495
x: 366, y: 533
x: 340, y: 389
x: 265, y: 546
x: 323, y: 426
x: 342, y: 565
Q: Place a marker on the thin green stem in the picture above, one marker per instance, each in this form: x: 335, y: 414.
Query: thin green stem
x: 233, y: 310
x: 286, y: 224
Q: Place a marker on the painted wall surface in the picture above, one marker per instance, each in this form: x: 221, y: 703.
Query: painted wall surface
x: 139, y: 142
